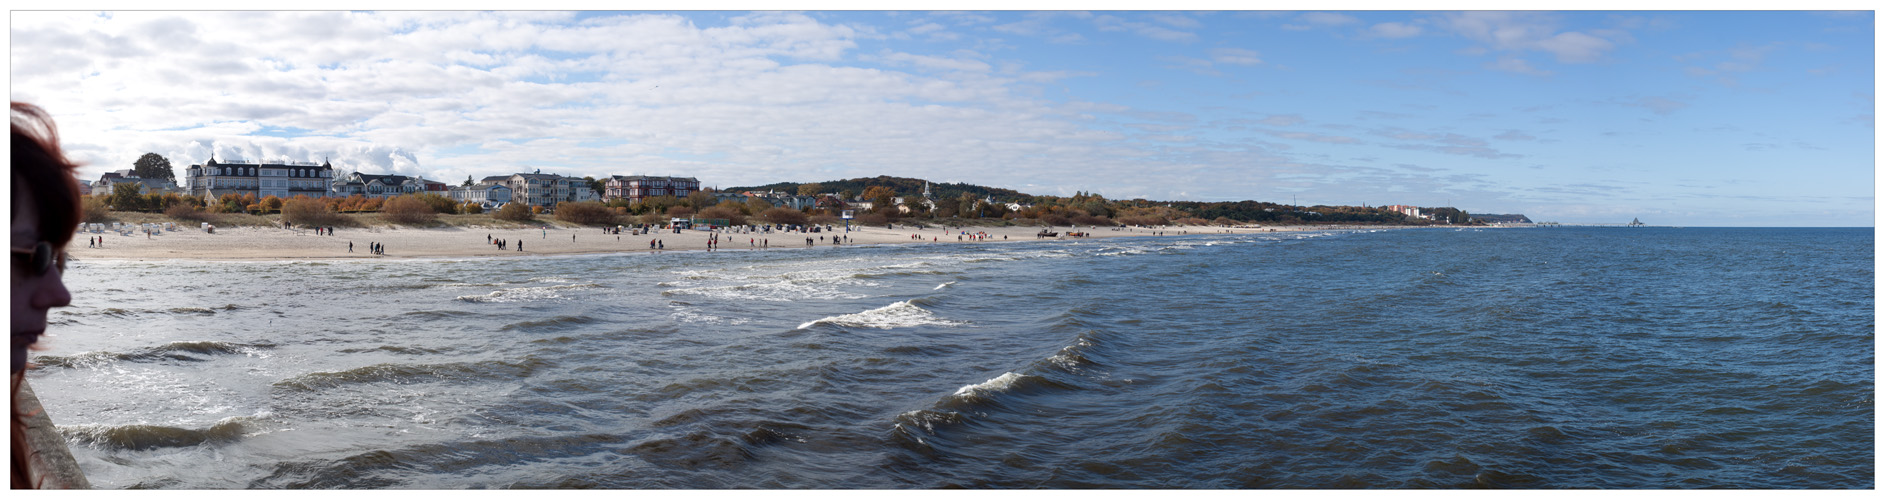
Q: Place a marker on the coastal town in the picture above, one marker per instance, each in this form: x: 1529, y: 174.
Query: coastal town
x: 275, y: 205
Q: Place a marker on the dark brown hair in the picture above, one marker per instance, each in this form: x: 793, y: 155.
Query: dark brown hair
x: 40, y: 168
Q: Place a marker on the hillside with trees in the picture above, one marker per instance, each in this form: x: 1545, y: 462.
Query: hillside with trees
x: 899, y: 186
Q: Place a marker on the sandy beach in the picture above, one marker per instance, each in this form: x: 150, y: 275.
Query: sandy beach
x: 258, y: 243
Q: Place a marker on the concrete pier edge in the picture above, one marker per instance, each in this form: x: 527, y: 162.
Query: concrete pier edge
x: 53, y: 467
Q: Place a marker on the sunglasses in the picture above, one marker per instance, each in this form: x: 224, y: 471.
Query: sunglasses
x: 39, y: 259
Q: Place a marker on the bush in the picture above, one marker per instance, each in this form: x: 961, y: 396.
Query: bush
x: 680, y: 211
x: 408, y: 210
x: 305, y: 211
x: 823, y: 219
x: 586, y: 213
x: 471, y: 207
x: 94, y: 209
x: 732, y: 216
x: 439, y: 204
x: 1224, y: 221
x: 782, y: 215
x: 517, y: 212
x: 1190, y: 221
x: 270, y: 203
x: 534, y: 210
x: 1093, y: 220
x: 187, y: 212
x: 872, y: 219
x: 1056, y: 220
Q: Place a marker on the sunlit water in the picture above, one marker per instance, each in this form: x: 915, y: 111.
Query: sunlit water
x: 1535, y: 358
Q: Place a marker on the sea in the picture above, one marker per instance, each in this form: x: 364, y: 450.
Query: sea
x: 1536, y: 358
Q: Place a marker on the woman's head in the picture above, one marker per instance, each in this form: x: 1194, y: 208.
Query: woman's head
x: 45, y: 210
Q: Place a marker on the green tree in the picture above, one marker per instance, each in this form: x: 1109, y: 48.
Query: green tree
x: 153, y: 166
x: 468, y: 180
x: 126, y: 196
x: 915, y: 204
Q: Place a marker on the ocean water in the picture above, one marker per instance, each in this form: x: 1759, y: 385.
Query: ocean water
x: 1512, y: 358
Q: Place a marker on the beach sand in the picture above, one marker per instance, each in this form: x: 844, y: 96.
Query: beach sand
x: 259, y: 243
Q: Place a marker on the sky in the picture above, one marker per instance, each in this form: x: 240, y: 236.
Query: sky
x: 1688, y: 118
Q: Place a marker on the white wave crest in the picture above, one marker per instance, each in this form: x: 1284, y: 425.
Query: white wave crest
x: 524, y: 294
x: 944, y: 285
x: 900, y: 314
x: 997, y: 384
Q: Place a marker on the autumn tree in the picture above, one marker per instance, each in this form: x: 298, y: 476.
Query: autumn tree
x: 408, y: 210
x: 756, y: 205
x: 881, y: 198
x: 811, y: 189
x: 271, y: 203
x: 515, y: 212
x: 94, y: 209
x: 305, y: 211
x: 439, y: 204
x: 783, y: 215
x: 586, y: 213
x: 732, y: 216
x: 699, y: 199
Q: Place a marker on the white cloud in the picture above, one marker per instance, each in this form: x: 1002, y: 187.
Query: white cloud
x: 1516, y: 65
x: 1394, y: 30
x: 1327, y: 19
x: 1240, y: 57
x: 1529, y: 31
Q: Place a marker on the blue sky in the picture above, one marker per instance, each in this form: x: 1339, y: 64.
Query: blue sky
x: 1673, y: 117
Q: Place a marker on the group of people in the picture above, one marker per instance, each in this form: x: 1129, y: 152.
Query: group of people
x: 323, y: 231
x: 504, y: 244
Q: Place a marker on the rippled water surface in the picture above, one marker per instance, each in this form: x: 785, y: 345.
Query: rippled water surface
x: 1532, y: 358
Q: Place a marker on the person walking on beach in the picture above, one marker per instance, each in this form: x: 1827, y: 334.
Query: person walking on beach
x: 349, y: 247
x: 651, y: 244
x: 661, y: 245
x: 520, y: 245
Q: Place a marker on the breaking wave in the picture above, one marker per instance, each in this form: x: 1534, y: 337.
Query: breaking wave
x: 402, y: 373
x: 900, y: 314
x: 144, y: 437
x: 526, y: 294
x: 187, y: 350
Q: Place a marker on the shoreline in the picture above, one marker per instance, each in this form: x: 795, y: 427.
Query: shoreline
x: 275, y: 244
